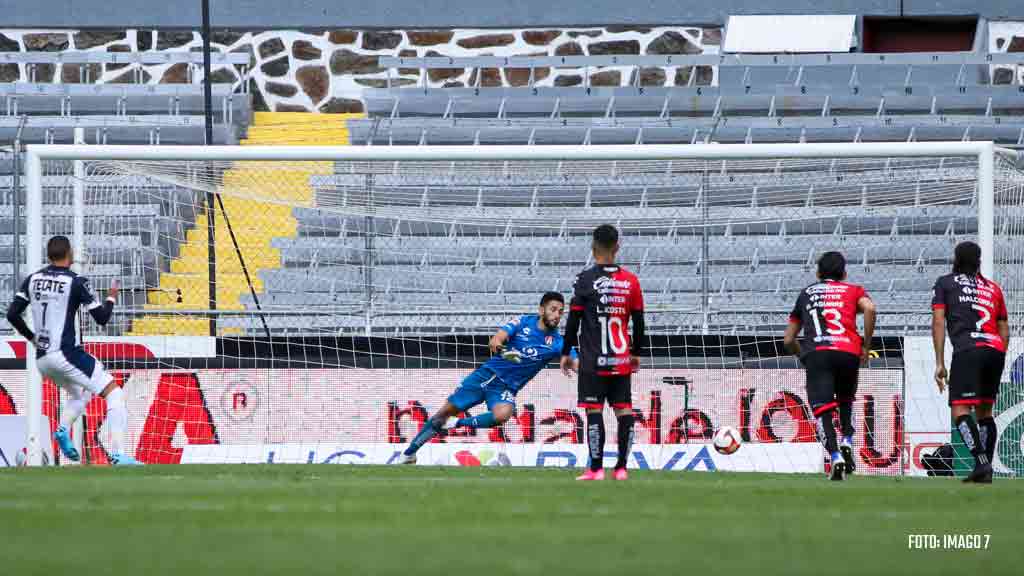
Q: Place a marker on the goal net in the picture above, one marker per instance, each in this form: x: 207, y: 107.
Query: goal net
x: 318, y: 304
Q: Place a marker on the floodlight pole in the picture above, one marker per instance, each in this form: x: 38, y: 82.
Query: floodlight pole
x: 211, y: 211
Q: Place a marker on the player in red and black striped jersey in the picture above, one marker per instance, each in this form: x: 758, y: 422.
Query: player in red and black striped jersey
x: 606, y: 297
x: 972, y: 309
x: 832, y: 351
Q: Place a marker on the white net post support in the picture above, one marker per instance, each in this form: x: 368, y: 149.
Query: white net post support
x: 78, y: 248
x: 33, y: 261
x: 986, y: 207
x: 437, y: 160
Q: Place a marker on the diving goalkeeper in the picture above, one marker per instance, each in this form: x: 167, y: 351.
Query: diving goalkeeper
x: 521, y: 348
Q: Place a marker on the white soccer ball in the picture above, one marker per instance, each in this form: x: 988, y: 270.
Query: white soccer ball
x: 726, y: 440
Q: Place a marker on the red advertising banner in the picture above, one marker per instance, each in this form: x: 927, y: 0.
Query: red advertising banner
x: 172, y: 408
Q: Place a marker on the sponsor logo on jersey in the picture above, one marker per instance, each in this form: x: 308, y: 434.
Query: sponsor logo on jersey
x: 605, y: 283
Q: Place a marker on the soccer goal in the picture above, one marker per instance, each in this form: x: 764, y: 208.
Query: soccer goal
x: 316, y: 304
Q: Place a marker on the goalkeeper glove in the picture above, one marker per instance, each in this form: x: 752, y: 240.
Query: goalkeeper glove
x: 512, y: 355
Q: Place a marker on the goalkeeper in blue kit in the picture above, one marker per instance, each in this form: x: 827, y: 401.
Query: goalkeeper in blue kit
x: 521, y: 348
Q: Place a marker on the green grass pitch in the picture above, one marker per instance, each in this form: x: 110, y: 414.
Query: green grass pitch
x: 323, y: 519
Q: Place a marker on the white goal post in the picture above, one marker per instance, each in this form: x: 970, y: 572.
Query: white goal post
x: 983, y: 154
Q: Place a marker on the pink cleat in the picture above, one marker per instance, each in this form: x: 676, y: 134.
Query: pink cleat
x: 620, y: 474
x: 592, y: 475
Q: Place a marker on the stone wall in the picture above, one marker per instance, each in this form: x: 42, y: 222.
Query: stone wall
x: 116, y: 41
x: 327, y: 70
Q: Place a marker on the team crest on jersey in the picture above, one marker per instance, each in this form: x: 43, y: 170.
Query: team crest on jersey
x: 549, y: 340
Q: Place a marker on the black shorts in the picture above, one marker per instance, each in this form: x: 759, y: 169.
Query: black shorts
x: 594, y: 390
x: 974, y: 376
x: 831, y: 378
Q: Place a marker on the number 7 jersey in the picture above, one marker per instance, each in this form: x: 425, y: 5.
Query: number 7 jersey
x: 973, y: 306
x: 828, y: 313
x: 606, y: 296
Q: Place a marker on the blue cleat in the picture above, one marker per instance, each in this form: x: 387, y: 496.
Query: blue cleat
x: 124, y: 460
x: 64, y: 442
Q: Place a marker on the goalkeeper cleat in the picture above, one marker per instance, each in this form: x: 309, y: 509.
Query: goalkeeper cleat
x: 124, y: 460
x: 592, y: 475
x: 620, y: 474
x: 982, y: 474
x: 66, y: 447
x: 407, y: 459
x: 846, y: 448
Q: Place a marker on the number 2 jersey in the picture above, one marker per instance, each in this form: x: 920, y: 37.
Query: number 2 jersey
x: 605, y: 298
x: 827, y: 311
x: 55, y: 295
x: 973, y: 306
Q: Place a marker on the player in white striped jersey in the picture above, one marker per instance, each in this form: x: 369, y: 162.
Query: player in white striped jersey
x: 55, y: 295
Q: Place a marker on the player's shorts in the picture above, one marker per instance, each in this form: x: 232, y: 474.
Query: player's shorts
x: 831, y: 378
x: 594, y: 390
x: 974, y: 376
x: 75, y: 367
x: 482, y: 385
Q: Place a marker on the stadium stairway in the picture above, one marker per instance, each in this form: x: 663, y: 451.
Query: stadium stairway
x: 255, y: 224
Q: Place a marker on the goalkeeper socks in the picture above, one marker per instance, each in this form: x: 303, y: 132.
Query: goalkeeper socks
x: 846, y: 419
x: 968, y: 429
x: 117, y: 418
x: 987, y: 433
x: 827, y: 432
x: 625, y: 439
x: 595, y: 439
x: 73, y: 408
x: 485, y: 420
x: 429, y: 430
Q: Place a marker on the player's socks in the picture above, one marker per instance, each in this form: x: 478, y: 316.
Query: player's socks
x: 73, y: 408
x: 625, y: 439
x: 117, y: 418
x: 846, y: 419
x: 827, y: 432
x: 595, y: 439
x: 485, y: 420
x: 968, y: 429
x: 987, y: 433
x: 429, y: 430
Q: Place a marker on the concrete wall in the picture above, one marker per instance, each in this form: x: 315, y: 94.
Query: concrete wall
x: 257, y: 14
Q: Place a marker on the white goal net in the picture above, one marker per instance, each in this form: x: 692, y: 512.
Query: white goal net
x: 348, y: 291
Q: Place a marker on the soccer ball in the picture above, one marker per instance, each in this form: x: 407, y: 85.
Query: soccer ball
x: 726, y: 440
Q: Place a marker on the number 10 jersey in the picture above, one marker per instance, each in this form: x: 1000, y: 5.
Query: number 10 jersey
x: 606, y: 296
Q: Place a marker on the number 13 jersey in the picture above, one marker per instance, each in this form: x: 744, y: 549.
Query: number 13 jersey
x: 828, y: 313
x: 606, y: 296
